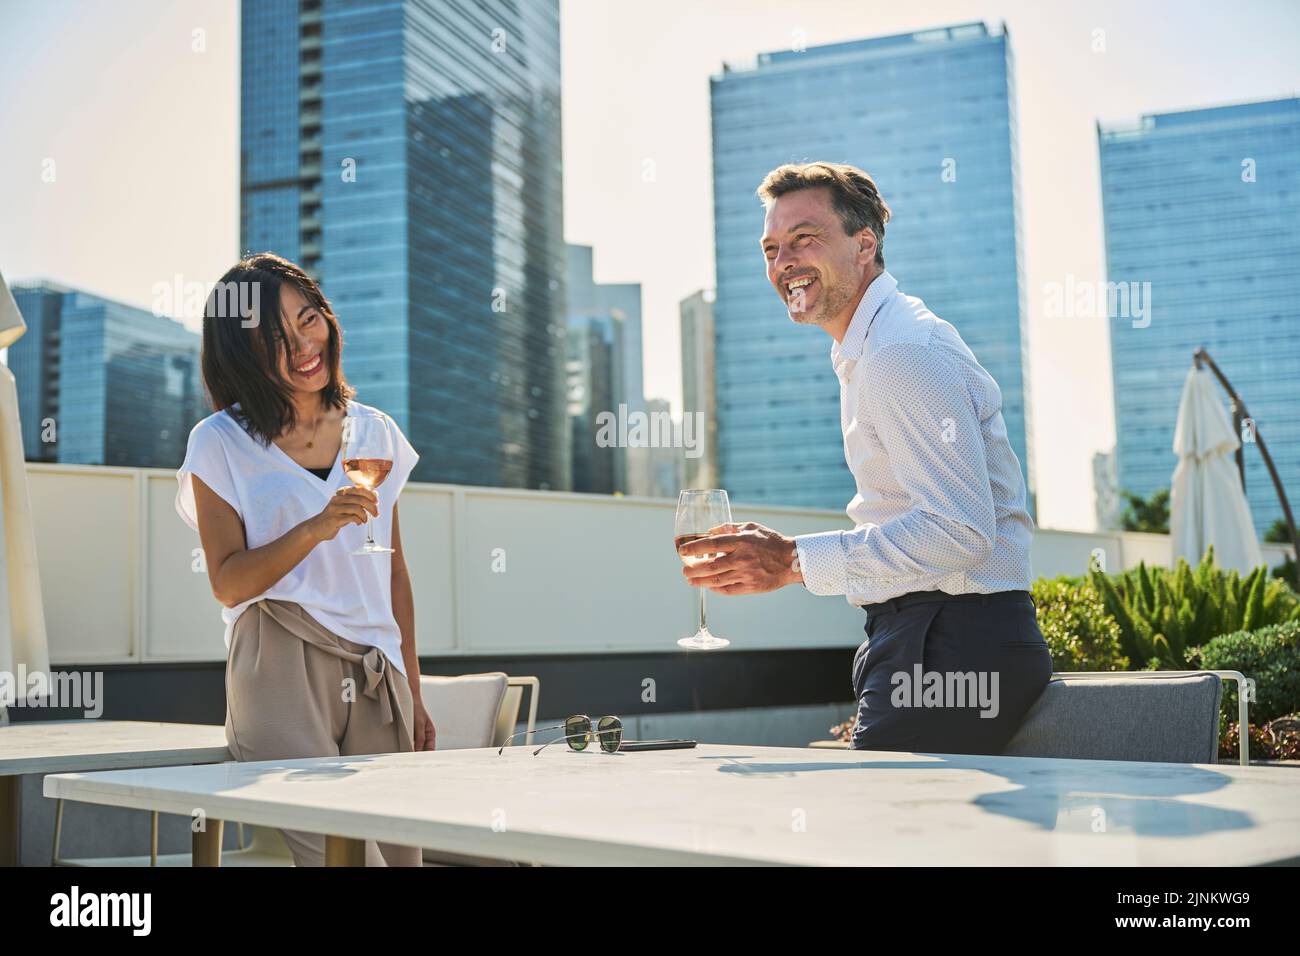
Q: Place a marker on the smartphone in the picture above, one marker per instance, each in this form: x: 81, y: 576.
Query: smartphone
x: 629, y: 745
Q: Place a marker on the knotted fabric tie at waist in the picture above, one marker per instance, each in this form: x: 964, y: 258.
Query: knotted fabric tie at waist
x: 300, y: 624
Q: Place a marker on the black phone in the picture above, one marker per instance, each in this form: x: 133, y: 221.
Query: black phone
x: 628, y: 745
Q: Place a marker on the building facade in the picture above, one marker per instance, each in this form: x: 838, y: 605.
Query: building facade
x: 932, y: 117
x: 597, y: 466
x: 407, y: 153
x: 604, y: 325
x: 1201, y: 208
x: 699, y: 398
x: 102, y: 383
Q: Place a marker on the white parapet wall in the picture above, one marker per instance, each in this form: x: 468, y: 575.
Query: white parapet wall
x: 495, y: 572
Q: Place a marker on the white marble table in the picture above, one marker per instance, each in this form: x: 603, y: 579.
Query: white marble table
x: 60, y: 746
x: 739, y: 804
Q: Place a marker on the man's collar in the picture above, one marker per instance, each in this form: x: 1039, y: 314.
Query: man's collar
x: 845, y: 353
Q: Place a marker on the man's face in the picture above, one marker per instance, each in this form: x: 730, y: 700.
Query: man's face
x: 815, y: 266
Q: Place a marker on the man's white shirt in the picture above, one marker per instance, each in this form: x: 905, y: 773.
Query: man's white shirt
x: 940, y: 503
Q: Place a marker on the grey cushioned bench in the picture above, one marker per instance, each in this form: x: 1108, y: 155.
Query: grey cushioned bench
x: 1160, y: 716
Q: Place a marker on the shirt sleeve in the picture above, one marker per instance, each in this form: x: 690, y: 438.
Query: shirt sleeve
x: 921, y: 409
x: 405, y: 456
x: 205, y: 456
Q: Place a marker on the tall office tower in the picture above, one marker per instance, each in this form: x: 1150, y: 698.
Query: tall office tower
x: 699, y: 400
x: 665, y: 455
x: 616, y: 309
x: 101, y: 383
x: 932, y: 117
x: 591, y: 368
x: 407, y: 153
x: 1203, y: 205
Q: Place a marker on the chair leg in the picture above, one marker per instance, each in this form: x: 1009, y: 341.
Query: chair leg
x: 153, y: 840
x: 58, y: 830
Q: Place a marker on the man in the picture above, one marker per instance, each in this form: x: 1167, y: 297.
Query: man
x: 939, y: 557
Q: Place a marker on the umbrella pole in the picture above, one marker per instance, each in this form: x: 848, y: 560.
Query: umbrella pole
x: 1237, y: 416
x: 1238, y: 413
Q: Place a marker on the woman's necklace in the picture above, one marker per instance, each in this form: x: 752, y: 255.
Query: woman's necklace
x: 313, y: 434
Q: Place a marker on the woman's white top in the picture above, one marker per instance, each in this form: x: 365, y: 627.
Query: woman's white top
x: 350, y: 595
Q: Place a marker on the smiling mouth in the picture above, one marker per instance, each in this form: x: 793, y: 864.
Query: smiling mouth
x: 793, y: 286
x: 310, y: 367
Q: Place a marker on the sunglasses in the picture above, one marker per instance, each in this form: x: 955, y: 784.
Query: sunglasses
x: 579, y: 732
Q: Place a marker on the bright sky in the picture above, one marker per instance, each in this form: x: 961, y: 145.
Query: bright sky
x: 143, y: 131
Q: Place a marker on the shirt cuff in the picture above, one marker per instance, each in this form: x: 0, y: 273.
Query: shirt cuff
x: 822, y: 562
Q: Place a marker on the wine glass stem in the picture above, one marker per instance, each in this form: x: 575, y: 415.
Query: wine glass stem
x: 703, y: 619
x: 370, y: 535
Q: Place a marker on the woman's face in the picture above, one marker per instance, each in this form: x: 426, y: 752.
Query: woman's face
x: 309, y: 334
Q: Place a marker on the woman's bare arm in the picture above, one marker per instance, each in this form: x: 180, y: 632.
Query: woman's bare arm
x: 237, y: 573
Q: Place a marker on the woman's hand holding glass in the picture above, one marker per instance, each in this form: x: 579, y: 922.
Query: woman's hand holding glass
x: 350, y: 505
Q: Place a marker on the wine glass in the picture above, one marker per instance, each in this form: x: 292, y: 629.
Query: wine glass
x: 367, y: 460
x: 698, y: 510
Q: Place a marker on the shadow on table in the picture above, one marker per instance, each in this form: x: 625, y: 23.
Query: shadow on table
x: 1066, y: 795
x: 315, y: 771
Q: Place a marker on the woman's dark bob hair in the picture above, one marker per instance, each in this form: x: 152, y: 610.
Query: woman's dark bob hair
x: 244, y: 336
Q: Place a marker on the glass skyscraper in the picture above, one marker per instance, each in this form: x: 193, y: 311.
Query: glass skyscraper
x: 1204, y: 205
x: 101, y: 383
x: 407, y: 153
x: 591, y: 372
x: 699, y: 395
x: 932, y: 117
x: 604, y: 323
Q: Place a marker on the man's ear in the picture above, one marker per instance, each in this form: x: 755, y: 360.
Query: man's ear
x: 867, y: 244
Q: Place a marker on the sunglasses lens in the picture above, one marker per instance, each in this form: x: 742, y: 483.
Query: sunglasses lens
x: 578, y: 731
x: 610, y: 730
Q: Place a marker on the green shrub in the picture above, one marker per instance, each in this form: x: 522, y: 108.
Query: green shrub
x: 1270, y: 655
x: 1079, y: 632
x: 1276, y: 740
x: 1164, y: 614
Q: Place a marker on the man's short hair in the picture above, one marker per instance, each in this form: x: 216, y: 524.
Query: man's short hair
x: 853, y: 195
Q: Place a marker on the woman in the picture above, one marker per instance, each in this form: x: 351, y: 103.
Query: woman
x: 321, y: 642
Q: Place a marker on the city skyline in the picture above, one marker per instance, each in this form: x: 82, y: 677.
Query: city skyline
x: 1152, y: 60
x: 605, y: 371
x: 1201, y: 208
x: 86, y: 366
x: 369, y: 135
x: 944, y: 125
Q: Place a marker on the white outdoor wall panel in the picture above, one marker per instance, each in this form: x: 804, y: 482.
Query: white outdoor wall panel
x: 1274, y: 554
x: 427, y: 542
x: 88, y: 549
x: 1067, y: 552
x: 1151, y: 548
x: 790, y: 617
x: 183, y: 619
x: 581, y: 574
x: 590, y: 574
x: 584, y: 573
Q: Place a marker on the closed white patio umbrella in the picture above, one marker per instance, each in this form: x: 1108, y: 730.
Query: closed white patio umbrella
x: 1207, y: 503
x: 22, y: 616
